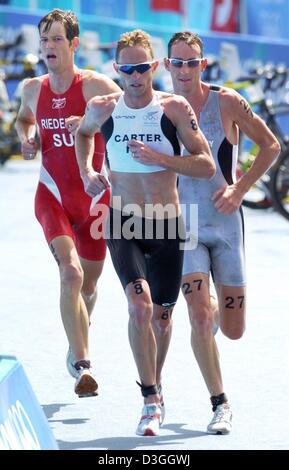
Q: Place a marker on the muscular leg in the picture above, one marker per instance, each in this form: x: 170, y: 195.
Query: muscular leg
x: 232, y: 322
x: 73, y: 310
x: 215, y: 310
x: 232, y: 303
x: 91, y: 273
x: 162, y: 327
x: 195, y: 288
x: 141, y: 335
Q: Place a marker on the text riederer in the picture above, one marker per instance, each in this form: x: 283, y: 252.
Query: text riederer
x: 151, y: 221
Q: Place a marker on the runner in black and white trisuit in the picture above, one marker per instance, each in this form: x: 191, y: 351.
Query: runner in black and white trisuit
x: 141, y: 128
x: 160, y: 134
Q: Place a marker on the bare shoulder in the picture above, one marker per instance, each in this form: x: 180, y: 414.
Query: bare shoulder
x: 163, y: 95
x: 95, y: 83
x: 229, y: 98
x: 176, y: 106
x: 31, y: 86
x: 30, y: 93
x: 234, y: 106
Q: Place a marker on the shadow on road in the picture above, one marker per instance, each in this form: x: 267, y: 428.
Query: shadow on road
x: 130, y: 443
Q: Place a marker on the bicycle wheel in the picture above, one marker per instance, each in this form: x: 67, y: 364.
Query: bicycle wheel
x: 280, y: 184
x: 258, y: 197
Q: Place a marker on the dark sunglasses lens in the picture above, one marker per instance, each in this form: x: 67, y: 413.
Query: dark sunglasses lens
x: 142, y: 68
x: 177, y: 63
x: 130, y: 69
x: 193, y: 63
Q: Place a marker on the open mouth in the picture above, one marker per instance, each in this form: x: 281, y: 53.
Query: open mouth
x: 51, y: 56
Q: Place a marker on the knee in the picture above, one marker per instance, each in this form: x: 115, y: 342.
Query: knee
x: 162, y: 327
x: 235, y: 332
x: 202, y: 320
x: 163, y: 322
x: 71, y: 276
x: 141, y: 313
x: 89, y: 289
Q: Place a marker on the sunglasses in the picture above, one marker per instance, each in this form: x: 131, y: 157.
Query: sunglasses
x: 192, y: 63
x: 129, y: 69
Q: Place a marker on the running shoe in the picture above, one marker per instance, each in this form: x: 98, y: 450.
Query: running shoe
x: 85, y: 385
x: 162, y: 405
x: 149, y: 424
x: 222, y: 420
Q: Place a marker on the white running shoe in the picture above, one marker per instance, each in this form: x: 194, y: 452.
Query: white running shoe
x: 162, y: 405
x: 222, y: 420
x: 85, y: 385
x: 149, y: 424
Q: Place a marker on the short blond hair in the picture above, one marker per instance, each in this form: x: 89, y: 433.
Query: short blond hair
x: 137, y: 37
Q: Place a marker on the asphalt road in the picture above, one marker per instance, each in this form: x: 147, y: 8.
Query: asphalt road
x: 255, y: 368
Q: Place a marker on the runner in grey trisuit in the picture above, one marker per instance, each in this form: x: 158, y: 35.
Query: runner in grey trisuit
x: 219, y: 249
x: 220, y: 237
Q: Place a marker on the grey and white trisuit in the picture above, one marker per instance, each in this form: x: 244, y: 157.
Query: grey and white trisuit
x: 220, y: 247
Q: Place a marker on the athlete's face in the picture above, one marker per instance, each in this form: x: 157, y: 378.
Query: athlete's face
x: 136, y: 84
x: 186, y: 76
x: 57, y: 51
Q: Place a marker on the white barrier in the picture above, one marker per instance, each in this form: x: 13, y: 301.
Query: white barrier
x: 23, y: 425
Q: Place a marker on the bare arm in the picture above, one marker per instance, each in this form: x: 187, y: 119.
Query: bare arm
x: 98, y: 84
x: 199, y: 163
x: 238, y: 111
x: 97, y: 111
x: 94, y: 84
x: 256, y: 129
x: 84, y: 140
x: 25, y: 122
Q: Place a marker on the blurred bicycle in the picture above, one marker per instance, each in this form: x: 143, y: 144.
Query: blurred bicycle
x: 267, y: 91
